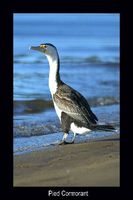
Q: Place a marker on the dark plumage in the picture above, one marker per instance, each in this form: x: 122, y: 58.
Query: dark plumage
x: 74, y: 104
x: 76, y: 109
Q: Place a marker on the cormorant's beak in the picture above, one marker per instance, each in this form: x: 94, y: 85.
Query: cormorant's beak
x: 37, y: 48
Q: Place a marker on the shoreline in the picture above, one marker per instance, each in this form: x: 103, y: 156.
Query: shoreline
x: 92, y: 163
x: 48, y: 122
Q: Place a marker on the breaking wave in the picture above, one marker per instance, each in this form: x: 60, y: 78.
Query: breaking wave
x: 40, y: 105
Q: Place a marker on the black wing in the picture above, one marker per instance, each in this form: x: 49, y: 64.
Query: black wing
x: 74, y: 104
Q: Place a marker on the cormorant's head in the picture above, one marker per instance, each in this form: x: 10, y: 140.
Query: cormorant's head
x: 47, y: 49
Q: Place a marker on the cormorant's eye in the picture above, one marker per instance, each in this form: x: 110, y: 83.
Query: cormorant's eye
x: 43, y: 46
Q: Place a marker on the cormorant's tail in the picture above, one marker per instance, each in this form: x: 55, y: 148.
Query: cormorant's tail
x: 105, y: 127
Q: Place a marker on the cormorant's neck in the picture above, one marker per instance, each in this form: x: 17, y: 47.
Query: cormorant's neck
x: 54, y: 76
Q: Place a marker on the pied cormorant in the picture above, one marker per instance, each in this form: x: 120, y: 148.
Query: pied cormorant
x: 71, y: 107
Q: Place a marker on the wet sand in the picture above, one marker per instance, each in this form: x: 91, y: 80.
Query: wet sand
x: 93, y: 163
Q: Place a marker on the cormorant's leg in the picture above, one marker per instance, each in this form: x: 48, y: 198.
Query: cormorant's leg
x: 71, y: 142
x: 74, y: 135
x: 64, y: 138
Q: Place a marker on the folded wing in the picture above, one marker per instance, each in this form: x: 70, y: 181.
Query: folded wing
x: 74, y: 104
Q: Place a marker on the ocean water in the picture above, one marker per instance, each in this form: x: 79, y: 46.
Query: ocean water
x: 88, y: 46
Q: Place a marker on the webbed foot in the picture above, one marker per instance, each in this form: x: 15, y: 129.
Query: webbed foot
x: 65, y: 142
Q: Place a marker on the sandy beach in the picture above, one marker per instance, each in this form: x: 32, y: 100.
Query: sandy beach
x: 93, y: 163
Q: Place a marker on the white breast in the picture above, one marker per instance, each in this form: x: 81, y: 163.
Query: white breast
x: 58, y: 111
x: 79, y: 130
x: 53, y: 64
x: 73, y: 127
